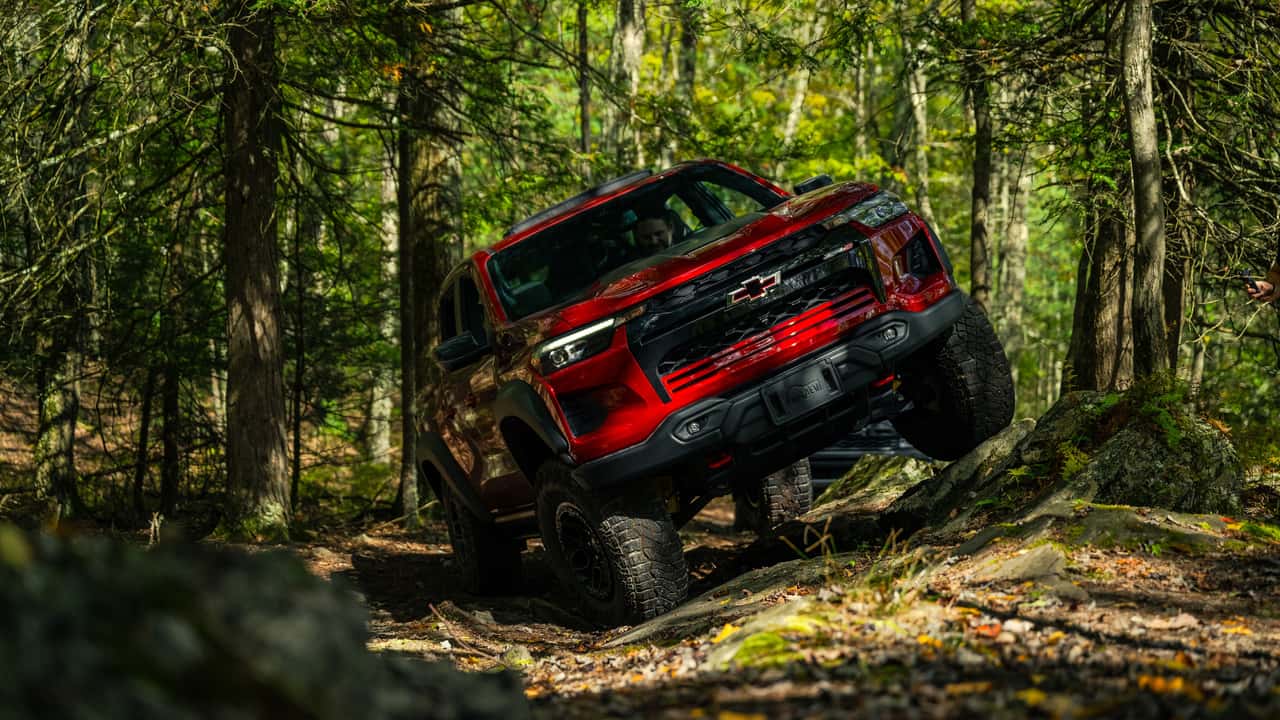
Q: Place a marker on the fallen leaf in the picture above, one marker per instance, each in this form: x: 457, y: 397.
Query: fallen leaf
x: 1056, y: 637
x: 929, y: 641
x: 990, y: 630
x: 1031, y: 696
x: 725, y: 632
x: 968, y: 688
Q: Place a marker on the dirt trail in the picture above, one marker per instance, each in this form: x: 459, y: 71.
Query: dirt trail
x: 1049, y: 629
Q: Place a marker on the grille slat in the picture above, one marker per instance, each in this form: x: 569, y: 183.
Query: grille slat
x: 687, y: 333
x: 695, y: 362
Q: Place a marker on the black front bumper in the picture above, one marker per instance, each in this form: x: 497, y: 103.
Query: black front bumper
x: 747, y: 427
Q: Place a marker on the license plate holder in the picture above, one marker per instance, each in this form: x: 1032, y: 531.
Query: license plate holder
x: 801, y: 392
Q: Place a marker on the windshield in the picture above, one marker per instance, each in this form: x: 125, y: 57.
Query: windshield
x: 670, y: 217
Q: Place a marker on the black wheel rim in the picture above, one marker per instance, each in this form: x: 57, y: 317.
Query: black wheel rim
x: 584, y: 553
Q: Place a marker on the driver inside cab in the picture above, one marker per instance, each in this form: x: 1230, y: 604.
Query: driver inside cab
x: 652, y: 232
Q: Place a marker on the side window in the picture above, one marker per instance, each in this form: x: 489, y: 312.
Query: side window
x: 737, y: 203
x: 471, y: 315
x: 691, y: 222
x: 446, y: 315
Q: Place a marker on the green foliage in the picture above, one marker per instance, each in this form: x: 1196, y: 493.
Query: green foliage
x: 765, y: 650
x: 113, y: 192
x: 1072, y: 460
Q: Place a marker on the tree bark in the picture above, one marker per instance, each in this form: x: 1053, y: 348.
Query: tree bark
x: 1151, y: 351
x: 1013, y: 261
x: 628, y: 48
x: 142, y: 457
x: 1180, y: 29
x: 979, y: 240
x: 257, y: 463
x: 917, y: 84
x: 407, y: 494
x: 54, y: 454
x: 799, y: 93
x: 1101, y: 353
x: 384, y: 389
x: 170, y: 470
x: 584, y: 86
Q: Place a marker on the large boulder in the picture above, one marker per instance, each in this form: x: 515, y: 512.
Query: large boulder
x: 91, y: 628
x: 1136, y: 448
x: 874, y: 482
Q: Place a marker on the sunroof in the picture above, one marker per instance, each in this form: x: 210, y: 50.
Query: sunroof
x: 579, y: 199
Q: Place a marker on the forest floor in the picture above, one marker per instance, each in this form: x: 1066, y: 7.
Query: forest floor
x: 1130, y: 623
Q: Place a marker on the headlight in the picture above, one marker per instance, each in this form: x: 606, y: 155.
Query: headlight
x: 872, y: 212
x: 561, y: 352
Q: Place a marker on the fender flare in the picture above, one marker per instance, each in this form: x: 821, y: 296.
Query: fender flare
x: 432, y: 449
x: 519, y: 401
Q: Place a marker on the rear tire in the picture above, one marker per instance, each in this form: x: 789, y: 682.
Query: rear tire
x: 620, y: 556
x: 961, y: 388
x: 489, y: 562
x: 774, y: 499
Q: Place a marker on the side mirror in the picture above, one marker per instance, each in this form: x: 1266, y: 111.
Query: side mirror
x: 813, y: 183
x: 460, y: 351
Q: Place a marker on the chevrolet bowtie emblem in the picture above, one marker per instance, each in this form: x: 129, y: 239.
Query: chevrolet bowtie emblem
x: 755, y: 288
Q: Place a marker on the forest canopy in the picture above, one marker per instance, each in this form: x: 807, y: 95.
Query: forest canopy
x: 222, y: 224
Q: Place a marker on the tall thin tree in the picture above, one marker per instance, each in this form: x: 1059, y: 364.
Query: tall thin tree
x: 257, y: 463
x: 1150, y: 337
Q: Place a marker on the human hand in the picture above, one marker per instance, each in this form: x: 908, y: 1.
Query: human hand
x: 1264, y: 292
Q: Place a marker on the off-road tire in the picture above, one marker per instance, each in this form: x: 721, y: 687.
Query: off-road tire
x: 774, y: 499
x: 488, y: 561
x: 961, y: 389
x: 636, y: 544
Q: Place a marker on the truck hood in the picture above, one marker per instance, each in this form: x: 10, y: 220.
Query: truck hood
x: 632, y: 284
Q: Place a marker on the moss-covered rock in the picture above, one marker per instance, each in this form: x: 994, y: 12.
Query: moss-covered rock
x: 767, y: 639
x: 94, y: 628
x: 874, y: 482
x: 1137, y: 448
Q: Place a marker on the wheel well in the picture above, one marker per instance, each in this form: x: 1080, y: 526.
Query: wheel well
x: 526, y: 448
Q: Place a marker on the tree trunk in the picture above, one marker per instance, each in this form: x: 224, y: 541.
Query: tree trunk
x: 979, y: 241
x: 257, y: 463
x: 308, y: 227
x: 628, y: 48
x: 686, y: 68
x: 407, y: 494
x: 584, y: 87
x: 917, y: 86
x: 384, y: 389
x: 170, y: 470
x: 799, y: 92
x: 1180, y: 29
x: 217, y: 392
x: 864, y: 75
x: 1151, y: 351
x: 1100, y: 355
x: 142, y: 457
x: 690, y: 19
x: 1013, y: 261
x: 59, y: 401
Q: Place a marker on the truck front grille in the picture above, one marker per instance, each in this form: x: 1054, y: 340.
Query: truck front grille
x: 690, y: 364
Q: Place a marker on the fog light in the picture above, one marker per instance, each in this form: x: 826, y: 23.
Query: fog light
x: 890, y: 333
x: 694, y: 427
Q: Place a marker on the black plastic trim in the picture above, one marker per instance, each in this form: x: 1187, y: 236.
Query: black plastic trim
x: 432, y: 449
x: 742, y: 425
x: 517, y: 399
